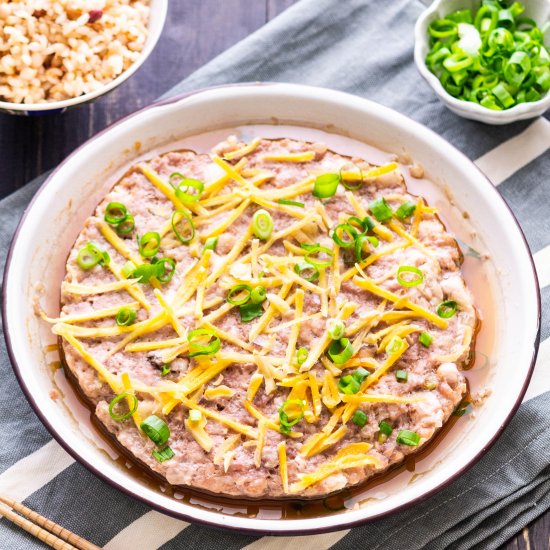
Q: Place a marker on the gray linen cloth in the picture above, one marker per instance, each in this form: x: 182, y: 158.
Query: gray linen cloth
x: 365, y: 48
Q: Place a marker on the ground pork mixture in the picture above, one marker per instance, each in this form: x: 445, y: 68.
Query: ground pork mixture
x: 268, y: 320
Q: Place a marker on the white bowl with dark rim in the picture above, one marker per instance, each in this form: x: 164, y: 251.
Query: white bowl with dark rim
x: 157, y: 18
x: 36, y: 264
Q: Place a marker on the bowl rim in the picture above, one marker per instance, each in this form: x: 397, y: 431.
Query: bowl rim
x: 150, y: 43
x: 296, y: 530
x: 517, y: 112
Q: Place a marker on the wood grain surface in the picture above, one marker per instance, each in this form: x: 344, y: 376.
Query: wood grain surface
x: 195, y: 32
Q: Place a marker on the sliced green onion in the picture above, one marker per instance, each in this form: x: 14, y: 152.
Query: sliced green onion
x: 348, y: 385
x: 149, y: 244
x: 401, y: 375
x: 325, y: 186
x: 125, y: 316
x: 183, y: 227
x: 258, y: 295
x: 344, y: 235
x: 301, y: 356
x: 155, y: 429
x: 363, y: 247
x: 249, y: 312
x: 164, y: 454
x: 210, y: 244
x: 289, y: 417
x: 90, y: 255
x: 307, y: 271
x: 187, y: 190
x: 262, y: 224
x: 127, y: 269
x: 359, y: 418
x: 425, y: 339
x: 144, y: 272
x: 395, y: 345
x: 406, y: 210
x: 340, y: 351
x: 408, y: 282
x: 336, y: 329
x: 291, y: 203
x: 162, y: 274
x: 126, y: 226
x: 447, y: 309
x: 131, y: 409
x: 166, y: 369
x: 115, y: 213
x: 319, y: 256
x: 360, y: 374
x: 407, y: 437
x: 203, y: 341
x: 239, y: 295
x: 381, y: 210
x: 385, y: 427
x: 442, y: 28
x: 352, y: 186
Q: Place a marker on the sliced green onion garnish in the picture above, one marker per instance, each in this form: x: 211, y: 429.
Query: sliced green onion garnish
x: 344, y: 235
x: 125, y: 316
x: 336, y: 328
x: 90, y: 255
x: 348, y: 384
x: 258, y: 295
x: 126, y: 226
x: 115, y: 213
x: 395, y: 345
x: 381, y: 210
x: 165, y: 454
x: 156, y: 430
x: 187, y: 190
x: 406, y: 437
x: 131, y: 409
x: 425, y: 339
x: 291, y: 203
x: 166, y: 368
x: 319, y: 256
x: 203, y: 341
x: 355, y: 185
x: 262, y: 224
x: 239, y: 295
x: 447, y: 309
x: 301, y: 356
x: 406, y: 210
x: 359, y: 418
x: 127, y: 269
x: 418, y: 276
x: 149, y: 244
x: 340, y: 351
x: 385, y: 427
x: 144, y: 272
x: 290, y: 413
x: 325, y: 186
x: 210, y: 244
x: 165, y: 269
x: 183, y: 227
x: 307, y: 271
x: 360, y: 374
x: 363, y: 247
x: 249, y: 312
x: 401, y: 375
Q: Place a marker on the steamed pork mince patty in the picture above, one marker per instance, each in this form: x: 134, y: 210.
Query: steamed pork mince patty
x: 269, y: 320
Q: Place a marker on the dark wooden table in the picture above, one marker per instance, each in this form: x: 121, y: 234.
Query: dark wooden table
x: 195, y: 32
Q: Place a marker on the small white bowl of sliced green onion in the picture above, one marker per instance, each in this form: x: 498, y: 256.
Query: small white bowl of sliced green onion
x: 487, y: 60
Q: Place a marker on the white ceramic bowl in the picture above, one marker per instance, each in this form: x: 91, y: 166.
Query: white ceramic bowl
x: 51, y: 223
x: 157, y: 19
x: 538, y: 10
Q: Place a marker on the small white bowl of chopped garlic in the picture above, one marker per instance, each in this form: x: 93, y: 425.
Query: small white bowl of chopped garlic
x: 486, y: 62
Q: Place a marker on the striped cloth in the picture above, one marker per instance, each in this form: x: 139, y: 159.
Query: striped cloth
x: 366, y: 49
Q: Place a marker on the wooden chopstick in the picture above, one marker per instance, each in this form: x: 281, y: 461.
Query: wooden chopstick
x: 53, y: 534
